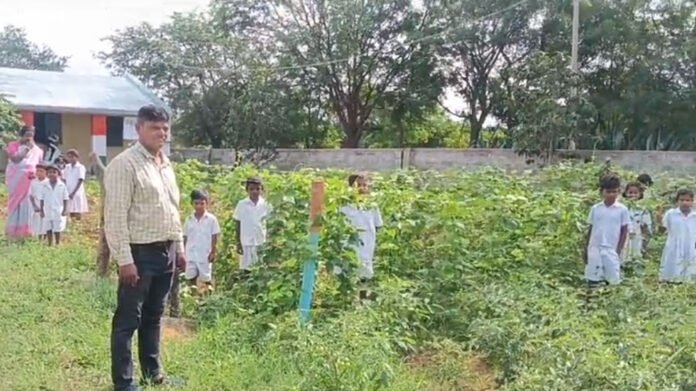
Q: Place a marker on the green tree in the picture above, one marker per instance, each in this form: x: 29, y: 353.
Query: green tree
x: 483, y: 40
x: 16, y: 51
x: 9, y: 121
x: 360, y: 50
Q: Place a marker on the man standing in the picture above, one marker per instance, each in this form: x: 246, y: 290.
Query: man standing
x: 143, y: 230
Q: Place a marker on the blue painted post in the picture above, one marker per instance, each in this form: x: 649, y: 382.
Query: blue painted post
x: 316, y: 207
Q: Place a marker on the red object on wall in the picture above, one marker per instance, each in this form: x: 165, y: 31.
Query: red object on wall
x: 98, y: 125
x: 28, y: 118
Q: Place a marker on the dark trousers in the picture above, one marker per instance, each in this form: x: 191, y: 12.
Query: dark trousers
x: 140, y: 308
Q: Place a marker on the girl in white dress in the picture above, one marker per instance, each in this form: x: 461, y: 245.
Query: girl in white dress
x: 74, y: 175
x: 679, y: 256
x: 639, y: 229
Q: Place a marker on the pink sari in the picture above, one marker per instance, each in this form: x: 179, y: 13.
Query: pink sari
x: 18, y: 177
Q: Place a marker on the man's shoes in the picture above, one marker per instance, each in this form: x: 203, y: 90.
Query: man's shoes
x: 162, y: 380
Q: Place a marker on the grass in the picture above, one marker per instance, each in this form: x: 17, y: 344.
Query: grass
x: 55, y: 323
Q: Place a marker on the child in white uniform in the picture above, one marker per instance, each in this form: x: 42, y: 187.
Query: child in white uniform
x: 201, y: 233
x: 250, y: 215
x: 679, y: 255
x: 74, y: 175
x: 639, y: 229
x: 607, y: 235
x: 37, y: 188
x: 367, y: 221
x: 54, y: 206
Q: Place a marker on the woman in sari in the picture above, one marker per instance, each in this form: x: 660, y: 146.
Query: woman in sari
x: 23, y: 155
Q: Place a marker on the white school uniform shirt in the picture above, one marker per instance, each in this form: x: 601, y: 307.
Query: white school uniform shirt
x: 252, y: 221
x: 606, y: 222
x: 366, y: 221
x: 37, y: 189
x: 53, y: 198
x: 199, y: 236
x: 679, y: 255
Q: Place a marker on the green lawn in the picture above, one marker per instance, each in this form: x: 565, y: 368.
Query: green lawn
x: 54, y: 333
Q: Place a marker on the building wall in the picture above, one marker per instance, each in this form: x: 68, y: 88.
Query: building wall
x: 77, y: 134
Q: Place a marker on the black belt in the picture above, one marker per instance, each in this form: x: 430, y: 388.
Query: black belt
x: 164, y: 244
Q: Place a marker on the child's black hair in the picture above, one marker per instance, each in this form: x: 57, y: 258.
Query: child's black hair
x: 352, y: 178
x: 684, y: 192
x: 53, y: 167
x: 645, y: 179
x: 610, y: 182
x: 26, y: 129
x: 253, y: 181
x: 634, y: 184
x: 198, y: 195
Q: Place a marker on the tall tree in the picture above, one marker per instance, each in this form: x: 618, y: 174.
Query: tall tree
x: 360, y: 51
x: 17, y: 51
x: 483, y: 39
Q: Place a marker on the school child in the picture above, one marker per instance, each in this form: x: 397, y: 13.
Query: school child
x: 201, y: 234
x: 74, y: 175
x: 606, y: 236
x: 250, y: 215
x: 640, y: 227
x: 367, y: 221
x: 679, y: 255
x: 54, y: 206
x: 647, y: 182
x: 37, y: 186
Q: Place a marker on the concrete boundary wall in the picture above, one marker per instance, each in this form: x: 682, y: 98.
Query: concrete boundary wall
x: 437, y: 159
x: 445, y: 159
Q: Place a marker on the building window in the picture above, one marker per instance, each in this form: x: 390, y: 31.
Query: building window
x: 114, y: 131
x: 47, y: 125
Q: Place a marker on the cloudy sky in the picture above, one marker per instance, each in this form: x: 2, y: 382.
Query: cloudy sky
x: 74, y: 28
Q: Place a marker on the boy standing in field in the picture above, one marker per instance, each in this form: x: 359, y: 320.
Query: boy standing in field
x: 201, y: 234
x: 54, y: 205
x: 37, y: 186
x: 606, y: 236
x: 250, y: 215
x: 368, y: 222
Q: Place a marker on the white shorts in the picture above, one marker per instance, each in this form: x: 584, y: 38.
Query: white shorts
x: 55, y: 226
x: 603, y: 264
x: 249, y: 256
x: 201, y: 270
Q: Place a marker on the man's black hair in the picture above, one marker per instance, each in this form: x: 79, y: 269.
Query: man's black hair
x: 152, y: 113
x: 610, y: 182
x: 198, y: 195
x: 684, y: 192
x: 253, y: 181
x: 25, y: 129
x: 645, y: 179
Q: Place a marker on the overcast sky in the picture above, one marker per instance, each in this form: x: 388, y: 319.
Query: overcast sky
x: 74, y: 28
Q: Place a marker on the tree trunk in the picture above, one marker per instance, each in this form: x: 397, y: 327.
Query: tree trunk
x: 352, y: 139
x: 475, y: 135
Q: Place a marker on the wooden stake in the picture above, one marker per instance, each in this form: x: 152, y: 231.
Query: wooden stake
x: 316, y: 209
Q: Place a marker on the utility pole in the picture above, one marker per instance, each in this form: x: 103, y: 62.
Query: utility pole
x: 576, y: 40
x: 574, y: 57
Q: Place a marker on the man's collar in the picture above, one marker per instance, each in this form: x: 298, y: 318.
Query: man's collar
x: 141, y: 148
